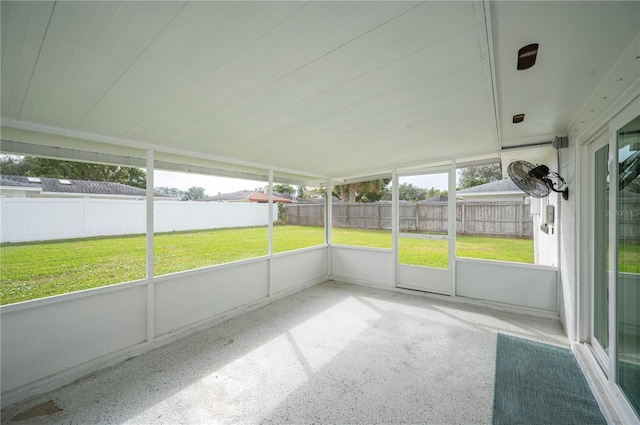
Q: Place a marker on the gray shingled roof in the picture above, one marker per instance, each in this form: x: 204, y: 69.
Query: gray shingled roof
x: 504, y: 185
x: 437, y: 198
x: 298, y: 200
x: 52, y: 185
x: 241, y: 195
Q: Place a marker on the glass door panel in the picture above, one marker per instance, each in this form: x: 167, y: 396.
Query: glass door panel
x: 424, y: 252
x: 423, y: 232
x: 628, y: 263
x: 601, y: 250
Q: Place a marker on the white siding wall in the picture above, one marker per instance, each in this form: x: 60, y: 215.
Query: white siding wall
x: 522, y: 285
x: 567, y: 223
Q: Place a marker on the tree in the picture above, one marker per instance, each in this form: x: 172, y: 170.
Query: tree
x: 284, y: 189
x: 16, y: 165
x: 193, y: 193
x: 169, y: 191
x: 54, y: 168
x: 370, y: 191
x: 411, y: 193
x: 481, y: 174
x: 315, y: 192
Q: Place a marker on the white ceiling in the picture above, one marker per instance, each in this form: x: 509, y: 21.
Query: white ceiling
x: 337, y: 89
x: 579, y: 43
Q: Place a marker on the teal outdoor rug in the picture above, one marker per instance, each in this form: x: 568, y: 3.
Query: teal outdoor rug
x: 538, y: 383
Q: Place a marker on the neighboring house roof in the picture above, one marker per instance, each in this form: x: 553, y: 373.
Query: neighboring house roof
x: 48, y: 185
x: 437, y: 198
x: 244, y: 196
x: 298, y: 200
x: 264, y: 197
x: 504, y: 186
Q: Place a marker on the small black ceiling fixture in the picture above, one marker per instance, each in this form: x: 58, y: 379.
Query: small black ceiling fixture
x: 518, y: 118
x: 527, y: 56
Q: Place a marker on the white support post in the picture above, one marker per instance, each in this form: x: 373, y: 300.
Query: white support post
x: 395, y: 222
x: 328, y: 227
x: 150, y: 318
x: 270, y: 277
x: 452, y: 226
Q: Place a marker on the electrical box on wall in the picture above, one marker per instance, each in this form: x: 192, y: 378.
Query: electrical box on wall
x: 547, y: 219
x: 550, y: 215
x: 560, y: 142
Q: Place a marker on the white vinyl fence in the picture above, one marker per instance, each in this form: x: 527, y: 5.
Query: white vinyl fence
x: 40, y: 219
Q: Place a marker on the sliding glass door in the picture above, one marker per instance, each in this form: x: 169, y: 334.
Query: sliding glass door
x: 627, y: 259
x: 614, y: 207
x: 600, y: 293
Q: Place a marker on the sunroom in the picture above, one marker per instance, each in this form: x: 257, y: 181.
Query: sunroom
x: 322, y: 95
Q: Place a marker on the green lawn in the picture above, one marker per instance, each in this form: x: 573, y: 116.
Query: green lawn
x: 433, y: 253
x: 40, y: 269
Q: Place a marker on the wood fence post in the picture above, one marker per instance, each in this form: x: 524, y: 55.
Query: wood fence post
x: 518, y: 221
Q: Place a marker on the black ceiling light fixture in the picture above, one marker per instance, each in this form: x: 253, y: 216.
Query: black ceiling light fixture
x: 518, y: 118
x: 527, y: 56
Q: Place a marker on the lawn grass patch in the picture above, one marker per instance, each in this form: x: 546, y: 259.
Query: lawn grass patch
x: 361, y: 237
x: 629, y: 257
x: 517, y: 250
x: 424, y: 252
x: 289, y: 238
x: 40, y: 269
x: 180, y: 251
x: 433, y: 253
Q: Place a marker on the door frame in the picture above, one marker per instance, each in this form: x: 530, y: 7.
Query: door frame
x: 607, y: 135
x: 418, y: 272
x: 600, y: 141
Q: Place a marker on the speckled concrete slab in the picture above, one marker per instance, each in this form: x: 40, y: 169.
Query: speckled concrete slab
x: 336, y: 353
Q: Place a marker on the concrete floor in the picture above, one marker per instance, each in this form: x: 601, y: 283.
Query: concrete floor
x: 335, y: 353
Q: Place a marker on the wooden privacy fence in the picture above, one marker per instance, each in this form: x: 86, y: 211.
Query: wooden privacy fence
x: 505, y: 218
x: 629, y: 219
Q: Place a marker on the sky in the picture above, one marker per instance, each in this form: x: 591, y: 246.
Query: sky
x: 427, y: 181
x: 212, y: 185
x: 216, y: 185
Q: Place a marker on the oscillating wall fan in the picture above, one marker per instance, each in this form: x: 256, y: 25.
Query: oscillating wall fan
x: 535, y: 180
